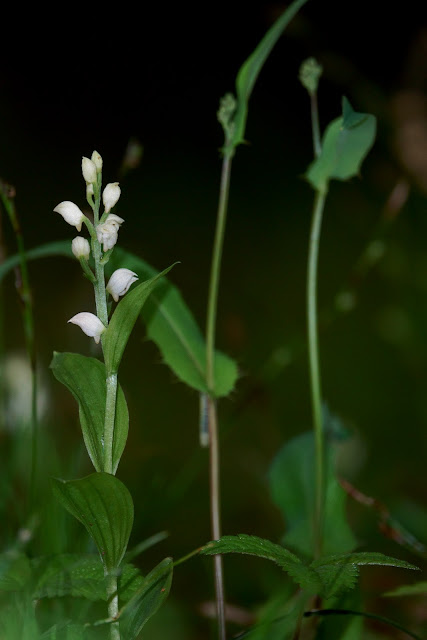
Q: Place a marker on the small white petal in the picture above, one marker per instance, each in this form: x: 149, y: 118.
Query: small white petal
x: 90, y: 324
x: 113, y: 219
x: 80, y: 248
x: 97, y: 160
x: 88, y: 170
x: 120, y: 282
x: 110, y: 195
x: 71, y: 213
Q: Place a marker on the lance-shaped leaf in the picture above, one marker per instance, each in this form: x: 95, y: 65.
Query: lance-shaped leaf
x: 345, y: 144
x: 250, y: 69
x: 85, y: 378
x: 104, y: 506
x: 303, y: 575
x: 147, y: 601
x: 116, y: 336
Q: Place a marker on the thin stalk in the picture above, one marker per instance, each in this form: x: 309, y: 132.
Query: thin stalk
x: 113, y: 605
x: 7, y: 194
x: 317, y: 146
x: 110, y: 417
x: 214, y: 474
x: 313, y: 353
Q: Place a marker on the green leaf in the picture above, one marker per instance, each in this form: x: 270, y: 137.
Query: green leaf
x: 261, y: 548
x: 342, y: 627
x: 80, y: 576
x: 339, y: 572
x: 170, y: 323
x: 250, y: 69
x: 279, y: 617
x: 292, y: 486
x: 104, y: 506
x: 116, y: 336
x: 85, y: 379
x: 65, y: 631
x: 15, y: 571
x: 416, y: 589
x: 345, y: 144
x: 147, y: 601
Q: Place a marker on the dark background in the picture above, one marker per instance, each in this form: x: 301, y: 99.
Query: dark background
x: 95, y: 79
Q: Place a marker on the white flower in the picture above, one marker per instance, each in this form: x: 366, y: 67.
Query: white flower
x: 89, y: 324
x: 108, y: 231
x: 88, y: 170
x: 110, y: 195
x: 80, y: 248
x: 97, y: 160
x: 120, y: 282
x: 71, y: 213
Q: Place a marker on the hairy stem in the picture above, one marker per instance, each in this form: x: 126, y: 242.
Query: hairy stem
x: 210, y: 378
x: 313, y: 353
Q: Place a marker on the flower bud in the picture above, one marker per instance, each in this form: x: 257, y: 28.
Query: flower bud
x: 111, y: 195
x: 97, y: 161
x: 88, y: 170
x: 80, y: 248
x: 108, y: 231
x: 90, y: 324
x: 71, y: 213
x: 120, y: 282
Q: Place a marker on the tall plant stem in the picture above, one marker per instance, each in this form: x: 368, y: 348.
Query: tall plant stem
x: 113, y: 605
x: 313, y: 353
x: 214, y: 473
x: 7, y: 194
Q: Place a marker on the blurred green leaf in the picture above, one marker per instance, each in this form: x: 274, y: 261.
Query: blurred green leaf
x: 65, y: 631
x: 116, y: 336
x: 342, y: 627
x: 416, y: 589
x: 80, y: 575
x: 15, y: 571
x: 303, y: 575
x: 104, y: 506
x: 147, y: 601
x: 292, y: 486
x: 345, y: 144
x: 250, y: 69
x: 279, y: 617
x: 58, y: 248
x: 85, y: 378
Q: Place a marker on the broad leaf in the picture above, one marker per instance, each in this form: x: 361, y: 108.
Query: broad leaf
x: 116, y: 336
x: 80, y: 575
x: 85, y: 378
x: 250, y: 69
x: 261, y: 548
x: 345, y: 144
x: 292, y: 485
x: 147, y: 601
x: 104, y: 506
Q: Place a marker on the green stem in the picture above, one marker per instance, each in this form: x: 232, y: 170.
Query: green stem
x: 317, y: 145
x: 214, y: 474
x: 110, y: 418
x: 315, y: 382
x: 113, y: 605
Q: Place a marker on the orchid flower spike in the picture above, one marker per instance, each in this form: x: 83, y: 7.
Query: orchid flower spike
x: 90, y: 324
x: 80, y: 248
x: 111, y: 195
x: 71, y: 213
x: 89, y: 170
x: 120, y: 282
x: 108, y: 231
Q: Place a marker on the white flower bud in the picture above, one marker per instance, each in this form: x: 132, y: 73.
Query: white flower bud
x: 120, y: 282
x: 88, y: 170
x: 80, y: 248
x: 89, y: 324
x: 71, y: 213
x: 108, y: 231
x: 110, y: 195
x: 97, y: 161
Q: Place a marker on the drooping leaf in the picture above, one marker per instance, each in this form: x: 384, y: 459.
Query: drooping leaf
x: 250, y: 69
x: 303, y: 575
x: 120, y: 327
x: 103, y: 504
x: 345, y: 144
x: 170, y: 323
x: 80, y: 575
x: 85, y: 378
x: 416, y: 589
x: 339, y: 572
x: 147, y: 600
x: 15, y: 571
x: 292, y: 486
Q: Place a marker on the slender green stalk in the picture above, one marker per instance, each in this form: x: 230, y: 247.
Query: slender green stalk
x: 317, y: 146
x: 113, y: 605
x: 7, y: 195
x: 313, y: 353
x: 110, y: 417
x: 214, y: 473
